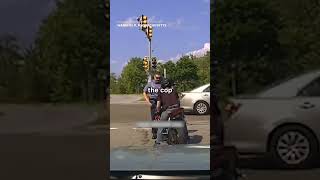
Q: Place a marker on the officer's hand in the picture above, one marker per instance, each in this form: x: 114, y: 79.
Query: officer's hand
x: 157, y: 117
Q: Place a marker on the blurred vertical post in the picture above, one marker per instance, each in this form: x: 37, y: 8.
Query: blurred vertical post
x: 233, y: 79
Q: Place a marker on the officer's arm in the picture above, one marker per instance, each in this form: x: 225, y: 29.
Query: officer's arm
x: 158, y: 106
x: 159, y: 103
x: 145, y: 95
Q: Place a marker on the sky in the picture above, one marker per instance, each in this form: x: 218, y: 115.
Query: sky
x: 23, y: 17
x: 187, y: 29
x: 187, y: 26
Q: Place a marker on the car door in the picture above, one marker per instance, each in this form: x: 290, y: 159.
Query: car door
x: 308, y: 104
x: 206, y: 94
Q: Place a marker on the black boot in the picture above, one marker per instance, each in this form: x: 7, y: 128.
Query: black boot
x: 154, y: 136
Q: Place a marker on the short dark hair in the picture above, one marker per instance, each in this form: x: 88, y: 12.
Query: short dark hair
x: 157, y: 73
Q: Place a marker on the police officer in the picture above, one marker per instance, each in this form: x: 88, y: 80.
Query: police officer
x: 150, y: 94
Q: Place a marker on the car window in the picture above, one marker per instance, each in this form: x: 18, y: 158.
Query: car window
x: 207, y: 89
x: 290, y: 86
x: 312, y: 89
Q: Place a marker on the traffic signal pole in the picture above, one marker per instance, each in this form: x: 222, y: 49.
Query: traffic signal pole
x: 148, y: 29
x: 150, y: 55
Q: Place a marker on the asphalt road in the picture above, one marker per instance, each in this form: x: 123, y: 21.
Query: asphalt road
x: 123, y: 130
x: 57, y: 142
x: 45, y: 118
x: 263, y: 170
x: 124, y: 117
x: 51, y: 142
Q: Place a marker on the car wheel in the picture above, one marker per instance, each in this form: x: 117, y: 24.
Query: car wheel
x: 293, y: 146
x: 201, y: 107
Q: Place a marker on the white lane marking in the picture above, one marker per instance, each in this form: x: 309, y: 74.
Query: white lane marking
x: 195, y: 121
x: 158, y: 124
x: 199, y: 146
x: 132, y: 128
x: 198, y: 124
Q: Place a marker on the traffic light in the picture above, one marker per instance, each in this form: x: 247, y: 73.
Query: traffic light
x: 143, y: 22
x: 154, y: 63
x: 145, y: 63
x: 149, y: 32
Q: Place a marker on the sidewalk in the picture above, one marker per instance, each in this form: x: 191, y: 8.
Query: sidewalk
x: 16, y: 119
x: 126, y: 99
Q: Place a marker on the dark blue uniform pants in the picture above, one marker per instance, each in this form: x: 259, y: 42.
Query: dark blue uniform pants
x: 153, y: 111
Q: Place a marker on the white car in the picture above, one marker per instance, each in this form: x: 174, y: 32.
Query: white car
x: 283, y: 121
x: 197, y: 100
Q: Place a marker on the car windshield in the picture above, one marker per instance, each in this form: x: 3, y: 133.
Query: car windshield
x: 178, y: 157
x: 274, y: 84
x: 201, y: 88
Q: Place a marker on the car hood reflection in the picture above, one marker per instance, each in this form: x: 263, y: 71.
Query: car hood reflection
x: 177, y: 157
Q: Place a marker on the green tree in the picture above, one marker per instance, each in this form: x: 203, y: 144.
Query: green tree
x: 36, y: 83
x: 133, y: 77
x: 203, y: 64
x: 300, y: 33
x: 248, y: 44
x: 114, y: 84
x: 170, y: 69
x: 186, y: 74
x: 11, y: 62
x: 72, y: 46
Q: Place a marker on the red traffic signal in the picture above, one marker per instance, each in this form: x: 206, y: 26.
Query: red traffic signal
x: 154, y: 63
